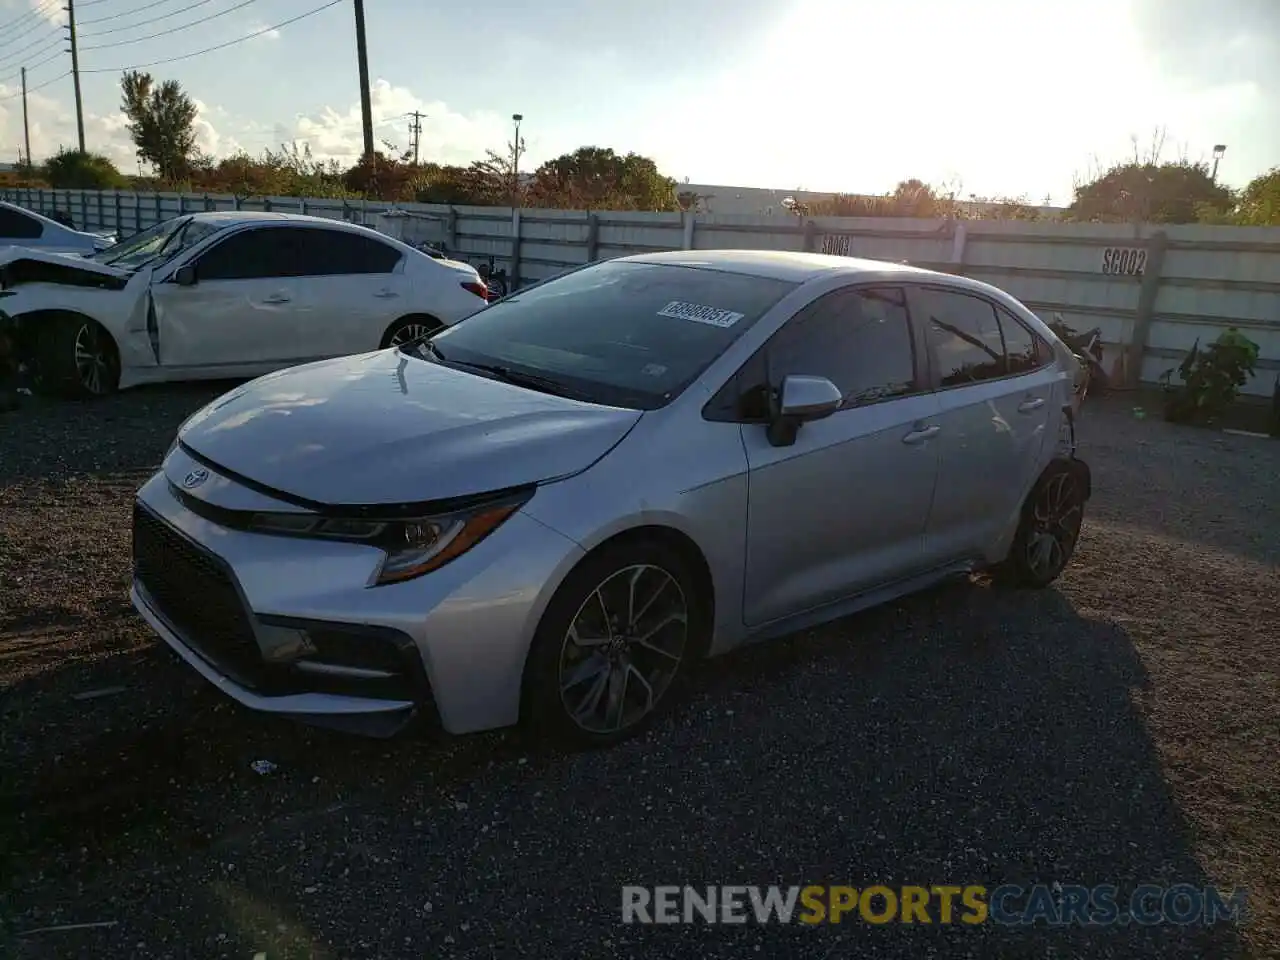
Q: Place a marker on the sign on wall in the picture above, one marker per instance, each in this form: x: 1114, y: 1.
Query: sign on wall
x: 836, y: 244
x: 1124, y: 261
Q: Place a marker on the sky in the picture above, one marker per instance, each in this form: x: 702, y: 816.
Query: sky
x: 994, y: 98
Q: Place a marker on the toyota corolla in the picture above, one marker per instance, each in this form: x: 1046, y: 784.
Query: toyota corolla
x: 550, y: 511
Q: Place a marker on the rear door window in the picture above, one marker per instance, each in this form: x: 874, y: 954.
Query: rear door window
x: 964, y: 335
x: 330, y: 253
x: 15, y: 225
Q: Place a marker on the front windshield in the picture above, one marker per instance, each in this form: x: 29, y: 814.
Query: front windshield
x: 617, y: 333
x: 160, y: 243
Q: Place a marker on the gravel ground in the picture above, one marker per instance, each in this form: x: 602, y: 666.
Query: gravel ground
x: 1121, y: 728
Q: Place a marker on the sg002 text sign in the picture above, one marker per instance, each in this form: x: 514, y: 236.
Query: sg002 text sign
x: 1124, y: 261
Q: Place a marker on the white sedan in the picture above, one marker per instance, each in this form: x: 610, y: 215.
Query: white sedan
x: 26, y: 228
x: 225, y: 295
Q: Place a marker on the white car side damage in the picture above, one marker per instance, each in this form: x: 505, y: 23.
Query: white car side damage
x: 156, y: 320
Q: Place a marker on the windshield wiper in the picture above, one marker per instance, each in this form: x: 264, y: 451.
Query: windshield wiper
x: 517, y: 378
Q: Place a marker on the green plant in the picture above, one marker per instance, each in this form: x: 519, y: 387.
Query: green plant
x: 73, y: 170
x: 1211, y: 378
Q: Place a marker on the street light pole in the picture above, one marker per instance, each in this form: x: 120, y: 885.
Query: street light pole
x: 1218, y: 150
x: 515, y: 162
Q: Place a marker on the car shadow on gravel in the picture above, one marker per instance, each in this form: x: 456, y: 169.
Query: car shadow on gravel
x: 965, y: 735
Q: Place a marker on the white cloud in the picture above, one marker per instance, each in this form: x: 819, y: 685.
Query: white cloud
x: 447, y: 135
x: 258, y: 30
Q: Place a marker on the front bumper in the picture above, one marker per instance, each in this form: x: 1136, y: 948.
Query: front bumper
x: 290, y: 626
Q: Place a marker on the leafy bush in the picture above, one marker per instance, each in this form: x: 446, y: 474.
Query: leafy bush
x: 1211, y: 378
x: 73, y: 170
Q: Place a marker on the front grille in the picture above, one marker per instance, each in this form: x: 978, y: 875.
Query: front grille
x: 193, y: 591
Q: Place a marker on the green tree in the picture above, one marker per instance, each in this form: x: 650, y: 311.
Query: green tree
x: 1180, y: 192
x: 596, y: 178
x: 73, y: 170
x: 1259, y: 204
x: 161, y: 123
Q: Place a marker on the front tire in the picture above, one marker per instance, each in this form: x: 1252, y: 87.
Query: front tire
x: 614, y: 645
x: 76, y: 357
x: 1048, y: 531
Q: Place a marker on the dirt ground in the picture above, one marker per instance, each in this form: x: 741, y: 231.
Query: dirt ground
x: 1122, y: 727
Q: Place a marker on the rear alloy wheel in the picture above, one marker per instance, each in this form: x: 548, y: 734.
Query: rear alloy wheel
x: 613, y: 645
x: 414, y: 328
x: 77, y: 358
x: 1049, y: 530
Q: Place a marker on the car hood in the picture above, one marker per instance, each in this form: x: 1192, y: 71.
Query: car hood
x: 19, y: 265
x: 385, y: 428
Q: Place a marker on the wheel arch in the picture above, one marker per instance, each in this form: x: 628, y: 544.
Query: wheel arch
x: 28, y: 325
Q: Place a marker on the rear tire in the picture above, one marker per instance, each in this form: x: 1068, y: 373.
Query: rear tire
x: 76, y: 357
x: 614, y: 646
x: 410, y: 328
x: 1048, y: 531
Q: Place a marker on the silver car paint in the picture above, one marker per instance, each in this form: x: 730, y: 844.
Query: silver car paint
x: 788, y: 540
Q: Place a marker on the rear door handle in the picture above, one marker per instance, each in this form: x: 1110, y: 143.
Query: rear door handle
x: 920, y: 436
x: 386, y: 295
x: 1030, y: 404
x: 276, y: 298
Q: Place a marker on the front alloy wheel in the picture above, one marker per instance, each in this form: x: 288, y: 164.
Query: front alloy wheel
x: 94, y: 359
x: 623, y: 649
x: 614, y: 645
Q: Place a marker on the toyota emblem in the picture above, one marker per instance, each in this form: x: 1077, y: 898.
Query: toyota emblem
x: 195, y: 478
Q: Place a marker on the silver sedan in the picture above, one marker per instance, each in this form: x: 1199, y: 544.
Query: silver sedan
x: 550, y: 511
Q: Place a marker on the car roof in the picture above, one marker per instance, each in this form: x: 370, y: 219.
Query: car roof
x: 781, y: 264
x: 236, y: 217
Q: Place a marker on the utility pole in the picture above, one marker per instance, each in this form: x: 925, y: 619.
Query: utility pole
x: 516, y: 149
x: 26, y: 128
x: 362, y: 55
x: 75, y: 70
x: 415, y: 130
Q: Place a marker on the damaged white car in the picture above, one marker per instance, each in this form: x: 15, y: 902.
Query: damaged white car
x: 224, y: 295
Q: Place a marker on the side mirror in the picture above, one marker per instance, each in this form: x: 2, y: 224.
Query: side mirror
x: 801, y: 399
x: 185, y: 276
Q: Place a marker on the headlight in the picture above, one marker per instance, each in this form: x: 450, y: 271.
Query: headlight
x: 412, y: 546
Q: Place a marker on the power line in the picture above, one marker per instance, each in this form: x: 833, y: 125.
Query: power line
x: 143, y: 23
x: 34, y: 66
x: 39, y: 86
x: 125, y: 13
x: 182, y: 26
x: 27, y: 32
x: 9, y: 59
x: 220, y: 46
x: 36, y: 12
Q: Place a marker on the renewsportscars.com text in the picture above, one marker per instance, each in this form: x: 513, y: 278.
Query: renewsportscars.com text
x: 1008, y: 904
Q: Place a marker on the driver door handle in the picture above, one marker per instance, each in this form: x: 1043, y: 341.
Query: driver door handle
x: 1030, y: 404
x: 921, y: 435
x: 276, y: 298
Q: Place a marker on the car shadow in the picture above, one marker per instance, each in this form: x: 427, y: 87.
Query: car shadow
x: 965, y: 735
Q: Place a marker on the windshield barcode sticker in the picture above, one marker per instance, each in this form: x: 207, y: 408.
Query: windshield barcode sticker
x: 700, y: 314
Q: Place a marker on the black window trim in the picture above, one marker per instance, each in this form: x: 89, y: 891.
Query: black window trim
x: 724, y: 405
x: 997, y: 308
